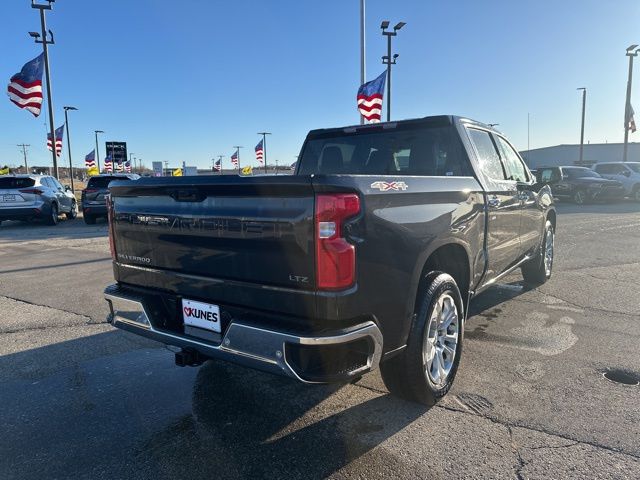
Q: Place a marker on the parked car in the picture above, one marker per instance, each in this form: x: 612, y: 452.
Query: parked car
x: 93, y: 198
x: 579, y: 184
x: 26, y: 197
x: 627, y: 173
x: 367, y: 256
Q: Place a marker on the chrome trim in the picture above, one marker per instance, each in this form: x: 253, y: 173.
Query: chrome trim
x: 245, y: 344
x: 525, y: 259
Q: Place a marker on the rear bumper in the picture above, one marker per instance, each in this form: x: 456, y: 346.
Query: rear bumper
x: 278, y: 352
x: 94, y: 209
x: 33, y: 210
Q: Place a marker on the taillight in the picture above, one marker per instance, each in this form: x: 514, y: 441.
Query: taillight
x: 335, y: 257
x: 112, y: 245
x: 34, y: 191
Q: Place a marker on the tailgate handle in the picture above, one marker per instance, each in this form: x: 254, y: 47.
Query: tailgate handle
x: 187, y: 195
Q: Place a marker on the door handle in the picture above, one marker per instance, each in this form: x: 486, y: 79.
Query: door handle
x: 494, y: 201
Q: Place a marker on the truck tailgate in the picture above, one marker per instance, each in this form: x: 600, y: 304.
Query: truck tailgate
x: 257, y: 230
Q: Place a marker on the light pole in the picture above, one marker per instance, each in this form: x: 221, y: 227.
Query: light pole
x: 363, y: 67
x: 584, y: 103
x: 388, y: 60
x: 632, y: 51
x: 66, y: 127
x: 24, y: 152
x: 220, y: 157
x: 166, y: 167
x: 238, y: 152
x: 98, y: 150
x: 264, y: 147
x: 45, y: 42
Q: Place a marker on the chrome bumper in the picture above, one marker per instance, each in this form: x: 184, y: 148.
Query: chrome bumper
x: 244, y: 344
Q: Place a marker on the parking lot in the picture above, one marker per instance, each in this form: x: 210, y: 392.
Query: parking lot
x: 82, y: 400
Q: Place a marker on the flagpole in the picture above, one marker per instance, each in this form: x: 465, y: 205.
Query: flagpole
x: 264, y: 148
x: 632, y: 51
x: 238, y: 153
x: 45, y: 49
x: 363, y: 73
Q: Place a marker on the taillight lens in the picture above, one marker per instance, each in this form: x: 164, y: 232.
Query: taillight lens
x: 112, y: 245
x: 335, y: 257
x: 33, y: 191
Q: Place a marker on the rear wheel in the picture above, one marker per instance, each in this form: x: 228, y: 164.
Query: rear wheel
x: 53, y: 215
x: 73, y: 213
x: 579, y: 197
x: 425, y: 370
x: 89, y: 219
x: 538, y: 270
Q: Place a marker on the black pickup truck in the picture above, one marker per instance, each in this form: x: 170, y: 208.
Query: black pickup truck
x: 366, y: 257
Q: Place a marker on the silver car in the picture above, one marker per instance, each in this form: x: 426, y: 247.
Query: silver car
x: 25, y: 197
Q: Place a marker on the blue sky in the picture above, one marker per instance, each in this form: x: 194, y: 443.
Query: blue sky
x: 188, y: 80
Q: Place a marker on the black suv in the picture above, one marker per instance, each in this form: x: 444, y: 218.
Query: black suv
x: 94, y: 203
x: 579, y: 184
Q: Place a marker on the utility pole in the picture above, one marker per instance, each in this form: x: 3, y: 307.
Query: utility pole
x: 98, y: 150
x: 238, y: 152
x: 264, y: 147
x: 45, y: 42
x: 24, y: 152
x: 66, y: 126
x: 632, y: 51
x: 363, y: 68
x: 388, y: 60
x: 584, y: 103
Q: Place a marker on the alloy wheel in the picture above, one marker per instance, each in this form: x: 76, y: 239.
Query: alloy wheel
x: 548, y: 252
x: 441, y: 339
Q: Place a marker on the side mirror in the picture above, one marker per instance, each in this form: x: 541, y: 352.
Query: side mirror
x: 67, y: 188
x: 626, y: 173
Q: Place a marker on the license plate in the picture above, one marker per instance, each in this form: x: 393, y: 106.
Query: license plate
x: 201, y: 315
x: 8, y: 198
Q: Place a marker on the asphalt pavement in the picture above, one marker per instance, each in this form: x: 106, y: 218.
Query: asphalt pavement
x: 80, y: 399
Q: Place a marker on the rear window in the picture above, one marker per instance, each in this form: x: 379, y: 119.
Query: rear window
x: 16, y: 182
x: 103, y: 182
x: 414, y: 150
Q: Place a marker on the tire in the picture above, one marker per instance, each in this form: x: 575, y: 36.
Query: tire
x: 579, y: 197
x: 538, y: 270
x: 73, y: 213
x: 410, y: 375
x: 52, y: 219
x: 89, y: 219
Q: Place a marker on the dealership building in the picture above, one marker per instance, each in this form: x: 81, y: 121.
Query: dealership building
x: 570, y: 154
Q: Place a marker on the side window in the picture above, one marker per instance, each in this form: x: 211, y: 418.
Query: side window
x: 46, y: 181
x: 514, y: 166
x: 546, y: 175
x: 488, y: 157
x: 56, y: 184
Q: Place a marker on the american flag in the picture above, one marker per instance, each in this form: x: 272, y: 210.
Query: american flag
x: 293, y: 166
x: 119, y: 167
x: 370, y: 98
x: 108, y: 164
x: 59, y: 135
x: 260, y: 152
x: 631, y: 122
x: 25, y: 88
x: 217, y: 166
x: 127, y: 166
x: 234, y: 160
x: 90, y: 159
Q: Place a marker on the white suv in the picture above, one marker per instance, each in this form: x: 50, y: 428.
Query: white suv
x: 23, y: 197
x: 627, y: 173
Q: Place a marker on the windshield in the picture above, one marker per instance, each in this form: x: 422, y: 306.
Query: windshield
x: 103, y: 182
x: 427, y: 151
x: 16, y: 182
x: 577, y: 172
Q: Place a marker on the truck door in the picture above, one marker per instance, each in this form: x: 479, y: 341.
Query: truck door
x: 503, y: 206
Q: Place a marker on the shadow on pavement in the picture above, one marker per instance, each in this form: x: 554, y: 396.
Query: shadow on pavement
x: 621, y: 207
x: 58, y: 265
x: 116, y: 408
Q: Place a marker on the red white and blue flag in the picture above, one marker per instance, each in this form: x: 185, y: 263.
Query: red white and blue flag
x: 119, y: 167
x: 260, y: 152
x: 90, y: 159
x: 217, y: 166
x: 25, y: 88
x: 127, y: 166
x: 370, y: 98
x: 234, y: 160
x: 59, y: 135
x: 108, y: 164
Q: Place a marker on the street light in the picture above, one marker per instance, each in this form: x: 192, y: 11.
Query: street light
x: 632, y: 51
x: 97, y: 149
x: 66, y: 126
x: 389, y: 60
x: 584, y: 103
x: 45, y: 49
